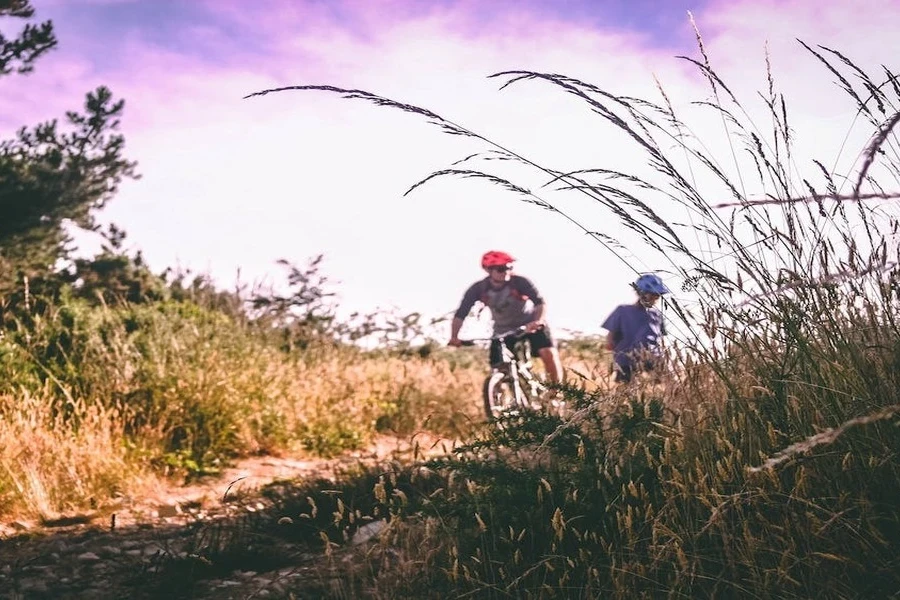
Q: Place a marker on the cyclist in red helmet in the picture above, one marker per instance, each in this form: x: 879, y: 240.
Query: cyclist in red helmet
x: 514, y: 302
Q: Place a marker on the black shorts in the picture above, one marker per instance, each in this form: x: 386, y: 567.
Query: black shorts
x: 540, y: 339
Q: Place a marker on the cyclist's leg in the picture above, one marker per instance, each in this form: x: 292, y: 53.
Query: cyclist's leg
x: 624, y: 369
x: 543, y: 345
x: 511, y: 345
x: 496, y: 355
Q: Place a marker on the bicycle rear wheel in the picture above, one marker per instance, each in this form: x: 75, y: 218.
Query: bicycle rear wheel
x: 499, y: 394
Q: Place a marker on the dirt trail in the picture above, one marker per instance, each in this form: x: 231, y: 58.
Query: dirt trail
x: 111, y: 553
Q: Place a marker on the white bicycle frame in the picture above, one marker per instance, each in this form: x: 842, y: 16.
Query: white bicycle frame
x: 513, y: 368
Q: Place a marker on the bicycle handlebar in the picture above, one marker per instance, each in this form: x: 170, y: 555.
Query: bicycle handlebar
x: 512, y: 332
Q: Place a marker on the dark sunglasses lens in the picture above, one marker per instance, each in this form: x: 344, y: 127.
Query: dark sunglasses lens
x: 502, y: 269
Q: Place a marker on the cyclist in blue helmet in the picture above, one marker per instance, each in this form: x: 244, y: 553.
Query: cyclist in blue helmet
x: 636, y: 330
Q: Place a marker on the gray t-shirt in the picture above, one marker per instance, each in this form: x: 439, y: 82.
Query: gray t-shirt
x: 511, y: 305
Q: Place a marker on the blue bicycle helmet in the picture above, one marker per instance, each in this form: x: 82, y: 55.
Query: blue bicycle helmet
x: 650, y: 284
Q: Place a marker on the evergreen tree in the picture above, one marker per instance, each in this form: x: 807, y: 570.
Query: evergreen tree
x: 52, y: 175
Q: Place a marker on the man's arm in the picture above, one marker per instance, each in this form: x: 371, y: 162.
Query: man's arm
x: 612, y: 325
x: 612, y: 339
x: 468, y: 301
x: 524, y: 286
x: 455, y: 326
x: 537, y: 318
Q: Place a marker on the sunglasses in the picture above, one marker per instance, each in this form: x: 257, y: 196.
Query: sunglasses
x: 502, y: 268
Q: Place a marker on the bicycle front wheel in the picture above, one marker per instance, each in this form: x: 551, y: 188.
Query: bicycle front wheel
x: 499, y: 394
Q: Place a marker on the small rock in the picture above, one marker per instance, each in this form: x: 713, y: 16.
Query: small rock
x: 367, y: 532
x: 111, y: 551
x: 164, y: 511
x: 33, y: 585
x: 278, y: 586
x: 88, y: 557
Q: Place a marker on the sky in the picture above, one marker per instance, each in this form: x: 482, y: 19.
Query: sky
x: 232, y: 184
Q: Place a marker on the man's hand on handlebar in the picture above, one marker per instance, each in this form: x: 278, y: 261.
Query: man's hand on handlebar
x: 534, y: 326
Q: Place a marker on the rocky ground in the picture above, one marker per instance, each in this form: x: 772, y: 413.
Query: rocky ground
x: 146, y: 548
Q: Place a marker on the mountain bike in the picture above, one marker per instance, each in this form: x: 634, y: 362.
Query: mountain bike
x: 511, y: 385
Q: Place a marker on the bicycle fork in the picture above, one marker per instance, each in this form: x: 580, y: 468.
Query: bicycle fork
x: 519, y: 394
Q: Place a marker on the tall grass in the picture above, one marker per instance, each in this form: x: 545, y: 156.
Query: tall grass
x: 49, y: 468
x: 767, y: 466
x: 95, y: 399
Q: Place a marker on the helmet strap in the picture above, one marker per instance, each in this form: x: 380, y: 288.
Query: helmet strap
x: 642, y: 300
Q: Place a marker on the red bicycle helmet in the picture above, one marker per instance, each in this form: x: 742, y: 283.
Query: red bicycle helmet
x: 495, y: 258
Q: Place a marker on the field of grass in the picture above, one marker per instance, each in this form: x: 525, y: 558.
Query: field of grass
x: 763, y: 464
x: 97, y: 401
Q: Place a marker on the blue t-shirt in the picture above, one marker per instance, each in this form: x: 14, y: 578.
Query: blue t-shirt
x: 634, y: 328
